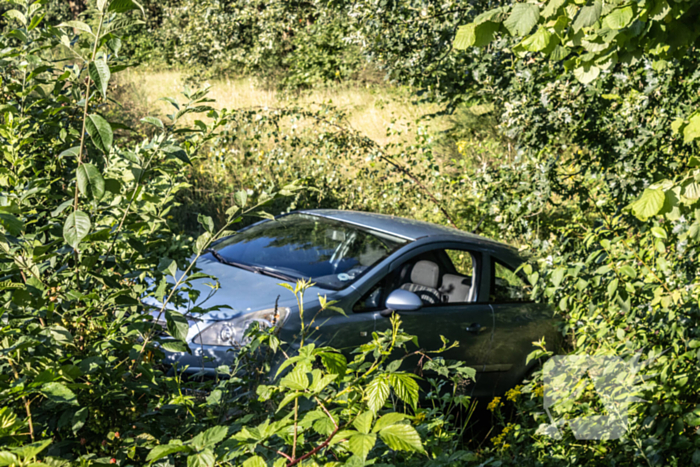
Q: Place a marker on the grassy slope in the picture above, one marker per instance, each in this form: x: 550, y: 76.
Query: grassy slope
x: 370, y: 110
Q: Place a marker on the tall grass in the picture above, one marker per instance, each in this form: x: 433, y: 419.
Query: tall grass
x: 370, y: 109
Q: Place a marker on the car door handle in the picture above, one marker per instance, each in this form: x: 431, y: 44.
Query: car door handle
x: 474, y: 327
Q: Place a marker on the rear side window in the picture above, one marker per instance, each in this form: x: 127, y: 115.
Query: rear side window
x: 507, y: 286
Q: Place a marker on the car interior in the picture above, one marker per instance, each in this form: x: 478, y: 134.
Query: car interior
x: 431, y: 275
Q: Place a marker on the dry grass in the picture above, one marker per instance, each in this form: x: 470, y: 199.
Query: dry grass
x: 370, y: 110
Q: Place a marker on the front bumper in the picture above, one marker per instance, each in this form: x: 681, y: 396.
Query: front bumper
x: 204, y: 358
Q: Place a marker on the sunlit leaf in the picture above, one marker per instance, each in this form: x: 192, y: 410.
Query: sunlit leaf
x: 523, y: 17
x: 100, y: 75
x: 401, y: 437
x: 90, y: 181
x: 76, y: 228
x: 100, y: 132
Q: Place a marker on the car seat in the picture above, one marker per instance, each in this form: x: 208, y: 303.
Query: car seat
x: 425, y: 277
x: 455, y: 288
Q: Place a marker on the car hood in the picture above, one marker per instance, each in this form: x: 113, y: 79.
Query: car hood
x: 240, y: 290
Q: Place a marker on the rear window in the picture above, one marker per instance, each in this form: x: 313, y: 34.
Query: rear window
x: 330, y: 253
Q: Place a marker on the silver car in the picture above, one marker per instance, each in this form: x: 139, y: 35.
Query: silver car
x: 442, y: 282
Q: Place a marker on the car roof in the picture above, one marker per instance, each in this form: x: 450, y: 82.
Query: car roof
x: 409, y: 229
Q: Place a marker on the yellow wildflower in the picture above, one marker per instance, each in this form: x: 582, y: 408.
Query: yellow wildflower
x: 494, y: 404
x: 512, y: 394
x: 539, y: 391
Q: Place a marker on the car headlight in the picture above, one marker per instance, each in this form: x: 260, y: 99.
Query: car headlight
x: 232, y: 332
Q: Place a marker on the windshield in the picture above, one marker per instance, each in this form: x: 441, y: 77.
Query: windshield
x: 330, y: 253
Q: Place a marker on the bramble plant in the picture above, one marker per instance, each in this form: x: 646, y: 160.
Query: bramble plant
x: 87, y: 244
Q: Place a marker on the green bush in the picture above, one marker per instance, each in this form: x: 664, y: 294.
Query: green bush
x: 86, y: 237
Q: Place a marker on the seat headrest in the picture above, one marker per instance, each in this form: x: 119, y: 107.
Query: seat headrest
x: 456, y: 287
x: 425, y: 273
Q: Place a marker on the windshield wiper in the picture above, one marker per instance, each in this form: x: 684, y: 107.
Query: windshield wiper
x: 223, y: 260
x: 278, y: 275
x: 248, y: 267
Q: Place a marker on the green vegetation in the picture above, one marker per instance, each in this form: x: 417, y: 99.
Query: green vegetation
x: 567, y: 128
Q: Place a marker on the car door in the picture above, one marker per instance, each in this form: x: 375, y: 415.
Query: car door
x: 462, y: 318
x: 519, y: 323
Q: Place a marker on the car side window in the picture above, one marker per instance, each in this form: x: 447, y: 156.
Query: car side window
x: 372, y: 300
x: 507, y: 286
x: 438, y: 277
x: 458, y: 280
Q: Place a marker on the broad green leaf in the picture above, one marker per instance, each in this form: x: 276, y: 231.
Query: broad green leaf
x: 558, y: 276
x: 35, y: 21
x: 7, y: 458
x: 76, y: 228
x: 100, y: 75
x: 401, y: 438
x: 241, y: 198
x: 11, y: 223
x: 177, y: 325
x: 320, y: 381
x: 619, y: 18
x: 496, y: 15
x: 629, y: 271
x: 204, y: 458
x: 177, y: 152
x: 289, y: 398
x: 649, y: 204
x: 691, y: 132
x: 341, y: 436
x: 388, y: 420
x: 30, y: 451
x: 586, y: 73
x: 658, y: 232
x: 167, y: 265
x: 153, y: 121
x: 588, y: 15
x: 523, y: 17
x: 255, y: 461
x: 324, y: 426
x: 160, y: 290
x: 206, y: 222
x: 475, y: 35
x: 79, y: 25
x: 175, y: 346
x: 335, y: 363
x: 90, y: 181
x: 15, y: 14
x: 363, y: 422
x: 552, y: 8
x: 361, y: 444
x: 210, y: 437
x: 79, y: 418
x: 405, y: 387
x: 165, y: 450
x: 539, y: 41
x: 691, y: 191
x: 296, y: 379
x: 202, y: 242
x: 612, y: 287
x: 100, y: 131
x: 377, y: 393
x: 70, y: 152
x: 676, y: 125
x: 465, y: 37
x: 123, y: 6
x: 58, y: 393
